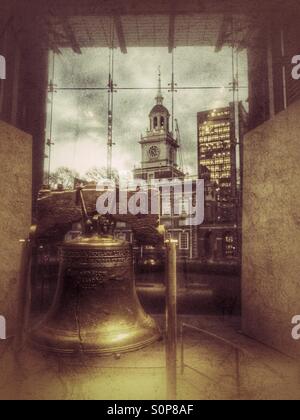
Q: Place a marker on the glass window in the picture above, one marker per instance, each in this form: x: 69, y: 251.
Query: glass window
x: 184, y: 241
x: 229, y: 245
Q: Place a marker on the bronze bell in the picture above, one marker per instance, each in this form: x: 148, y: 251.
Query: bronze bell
x: 96, y: 309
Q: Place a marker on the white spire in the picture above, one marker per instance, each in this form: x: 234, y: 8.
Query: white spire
x: 159, y: 98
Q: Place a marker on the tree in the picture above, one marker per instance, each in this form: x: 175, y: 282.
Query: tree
x: 97, y: 174
x: 63, y: 176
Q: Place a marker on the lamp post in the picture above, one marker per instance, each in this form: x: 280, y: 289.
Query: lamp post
x: 171, y: 318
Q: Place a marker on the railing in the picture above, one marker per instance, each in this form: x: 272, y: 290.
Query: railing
x: 237, y: 349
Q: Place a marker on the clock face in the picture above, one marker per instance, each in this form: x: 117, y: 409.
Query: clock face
x: 154, y: 152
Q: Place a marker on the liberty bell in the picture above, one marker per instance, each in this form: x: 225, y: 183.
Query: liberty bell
x: 96, y: 309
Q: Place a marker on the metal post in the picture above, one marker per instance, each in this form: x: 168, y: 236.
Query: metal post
x: 110, y: 108
x: 24, y: 293
x: 171, y: 319
x: 191, y: 230
x: 182, y: 348
x: 173, y: 90
x: 238, y: 373
x: 50, y: 143
x: 284, y: 82
x: 110, y: 114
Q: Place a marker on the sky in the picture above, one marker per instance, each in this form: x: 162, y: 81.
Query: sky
x: 79, y: 120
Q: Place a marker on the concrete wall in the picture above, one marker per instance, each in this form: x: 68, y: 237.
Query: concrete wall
x: 23, y: 95
x: 271, y: 231
x: 15, y: 213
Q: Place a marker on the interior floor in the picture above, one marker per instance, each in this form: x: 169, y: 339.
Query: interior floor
x: 213, y: 369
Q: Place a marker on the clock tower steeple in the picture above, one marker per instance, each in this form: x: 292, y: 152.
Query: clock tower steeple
x: 159, y: 148
x: 159, y: 115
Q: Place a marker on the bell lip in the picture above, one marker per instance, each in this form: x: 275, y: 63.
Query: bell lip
x: 96, y: 241
x: 96, y: 349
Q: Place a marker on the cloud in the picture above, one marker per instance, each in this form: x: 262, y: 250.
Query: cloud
x: 80, y: 116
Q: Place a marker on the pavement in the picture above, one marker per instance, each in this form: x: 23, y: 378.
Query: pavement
x: 213, y: 369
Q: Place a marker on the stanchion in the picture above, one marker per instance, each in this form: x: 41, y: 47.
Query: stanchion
x: 171, y: 319
x: 24, y: 292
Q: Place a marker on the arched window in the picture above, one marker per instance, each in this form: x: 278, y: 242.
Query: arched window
x: 155, y: 122
x: 162, y: 122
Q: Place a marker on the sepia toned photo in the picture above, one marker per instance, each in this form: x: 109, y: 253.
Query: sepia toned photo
x: 149, y: 216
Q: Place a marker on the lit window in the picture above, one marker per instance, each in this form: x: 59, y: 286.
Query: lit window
x: 229, y: 246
